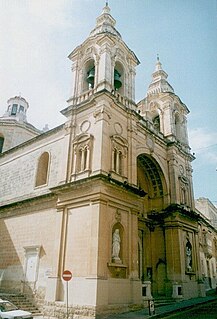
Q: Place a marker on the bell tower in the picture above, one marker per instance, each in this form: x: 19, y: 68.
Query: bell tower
x: 164, y: 109
x: 103, y: 88
x: 166, y: 116
x: 103, y: 61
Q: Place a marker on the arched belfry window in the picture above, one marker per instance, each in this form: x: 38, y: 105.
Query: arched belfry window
x: 119, y: 78
x: 1, y: 143
x: 156, y: 123
x: 184, y: 190
x: 89, y: 75
x: 178, y: 127
x: 119, y: 155
x: 42, y: 169
x: 82, y: 153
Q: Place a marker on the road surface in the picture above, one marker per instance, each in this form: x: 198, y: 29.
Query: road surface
x: 205, y: 311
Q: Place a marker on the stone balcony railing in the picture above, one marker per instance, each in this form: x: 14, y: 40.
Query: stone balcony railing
x: 85, y: 96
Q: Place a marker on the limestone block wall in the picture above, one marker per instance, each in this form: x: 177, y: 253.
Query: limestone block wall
x: 27, y: 247
x: 86, y: 243
x: 18, y: 168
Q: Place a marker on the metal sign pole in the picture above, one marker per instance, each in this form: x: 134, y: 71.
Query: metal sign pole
x: 67, y: 276
x: 67, y: 296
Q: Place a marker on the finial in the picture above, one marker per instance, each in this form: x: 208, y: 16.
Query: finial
x: 158, y: 66
x: 106, y: 9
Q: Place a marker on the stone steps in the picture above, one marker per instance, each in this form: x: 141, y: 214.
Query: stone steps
x: 164, y: 301
x: 21, y: 301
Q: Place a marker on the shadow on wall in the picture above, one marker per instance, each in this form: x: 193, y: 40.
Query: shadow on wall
x: 11, y: 269
x: 16, y: 272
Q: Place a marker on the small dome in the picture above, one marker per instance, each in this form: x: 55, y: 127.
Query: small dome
x: 17, y: 108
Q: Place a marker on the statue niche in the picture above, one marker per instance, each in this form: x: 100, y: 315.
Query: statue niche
x: 188, y: 253
x: 116, y: 244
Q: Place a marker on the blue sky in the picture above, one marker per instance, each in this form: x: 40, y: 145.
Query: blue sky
x: 36, y: 37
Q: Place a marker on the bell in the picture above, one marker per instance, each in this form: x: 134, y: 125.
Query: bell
x: 90, y: 77
x: 117, y: 81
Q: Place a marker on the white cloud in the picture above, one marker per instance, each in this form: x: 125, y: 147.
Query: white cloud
x: 30, y: 55
x: 50, y: 12
x: 204, y: 144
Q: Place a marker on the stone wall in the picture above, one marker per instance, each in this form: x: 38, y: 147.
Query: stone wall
x: 29, y: 229
x: 19, y: 167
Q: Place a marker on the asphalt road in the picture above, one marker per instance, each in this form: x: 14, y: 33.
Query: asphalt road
x: 205, y: 311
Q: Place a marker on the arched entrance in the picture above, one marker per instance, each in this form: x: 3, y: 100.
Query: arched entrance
x: 151, y: 179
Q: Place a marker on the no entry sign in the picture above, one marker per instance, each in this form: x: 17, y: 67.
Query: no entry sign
x: 67, y: 275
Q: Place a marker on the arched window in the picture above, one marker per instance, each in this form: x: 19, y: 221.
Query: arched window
x: 117, y: 161
x: 119, y: 78
x: 178, y: 127
x: 42, y: 170
x: 86, y: 151
x: 83, y: 159
x: 1, y: 143
x: 184, y: 190
x: 119, y: 155
x: 82, y: 154
x: 156, y: 123
x: 120, y: 158
x: 79, y: 159
x: 183, y: 196
x: 89, y: 75
x: 14, y: 109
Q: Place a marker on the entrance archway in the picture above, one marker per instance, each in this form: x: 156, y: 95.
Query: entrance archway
x: 151, y: 179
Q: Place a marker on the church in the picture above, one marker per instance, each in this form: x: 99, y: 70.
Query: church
x: 107, y: 195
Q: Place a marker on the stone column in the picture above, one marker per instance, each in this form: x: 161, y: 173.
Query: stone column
x: 54, y: 280
x: 104, y: 70
x: 175, y: 197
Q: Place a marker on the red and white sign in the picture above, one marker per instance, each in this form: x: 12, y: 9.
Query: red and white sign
x: 67, y: 275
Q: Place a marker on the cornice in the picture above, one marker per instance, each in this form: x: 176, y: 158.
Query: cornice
x: 33, y: 140
x: 23, y: 205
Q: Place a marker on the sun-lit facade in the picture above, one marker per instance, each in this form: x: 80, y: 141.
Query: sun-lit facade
x: 107, y: 195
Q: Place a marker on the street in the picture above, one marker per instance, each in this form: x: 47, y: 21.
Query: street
x: 208, y: 310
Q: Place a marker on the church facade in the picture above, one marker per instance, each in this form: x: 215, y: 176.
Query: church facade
x: 107, y: 195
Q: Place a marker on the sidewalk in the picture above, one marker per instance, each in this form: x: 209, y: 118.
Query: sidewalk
x: 159, y: 311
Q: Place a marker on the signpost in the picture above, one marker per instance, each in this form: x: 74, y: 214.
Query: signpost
x: 67, y: 276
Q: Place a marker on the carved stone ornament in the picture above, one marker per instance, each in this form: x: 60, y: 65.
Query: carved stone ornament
x: 150, y: 143
x: 118, y: 128
x: 102, y: 113
x: 183, y: 179
x: 118, y: 215
x: 181, y: 169
x: 85, y: 126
